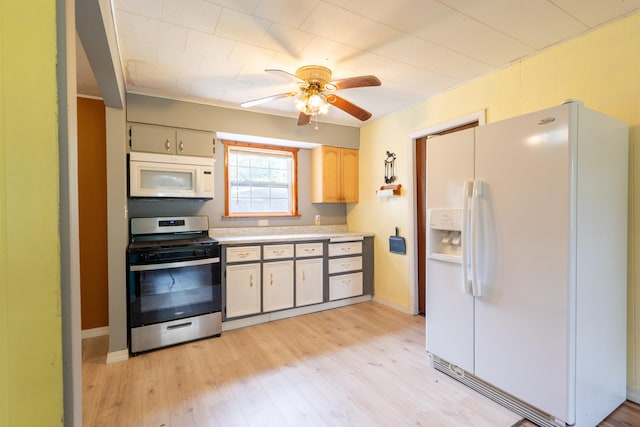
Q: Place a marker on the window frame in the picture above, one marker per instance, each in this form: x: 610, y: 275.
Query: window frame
x: 294, y: 178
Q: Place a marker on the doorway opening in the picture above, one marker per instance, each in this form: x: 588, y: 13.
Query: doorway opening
x: 420, y: 140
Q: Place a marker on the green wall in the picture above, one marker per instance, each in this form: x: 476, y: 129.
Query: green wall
x: 31, y: 386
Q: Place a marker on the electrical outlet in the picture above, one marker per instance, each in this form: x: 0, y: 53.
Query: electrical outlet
x: 263, y: 222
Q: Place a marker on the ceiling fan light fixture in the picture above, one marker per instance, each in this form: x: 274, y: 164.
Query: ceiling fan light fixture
x: 312, y: 104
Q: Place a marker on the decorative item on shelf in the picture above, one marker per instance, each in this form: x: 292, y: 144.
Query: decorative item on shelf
x: 390, y: 168
x: 389, y: 190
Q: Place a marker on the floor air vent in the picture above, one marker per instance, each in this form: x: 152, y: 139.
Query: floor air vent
x: 502, y: 398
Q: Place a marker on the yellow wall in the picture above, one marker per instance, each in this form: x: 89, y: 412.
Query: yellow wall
x: 30, y: 324
x: 601, y: 68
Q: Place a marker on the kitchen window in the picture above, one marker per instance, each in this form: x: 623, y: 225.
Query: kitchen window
x: 260, y: 180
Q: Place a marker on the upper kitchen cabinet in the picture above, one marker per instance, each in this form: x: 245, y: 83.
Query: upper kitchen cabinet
x: 334, y: 175
x: 168, y: 140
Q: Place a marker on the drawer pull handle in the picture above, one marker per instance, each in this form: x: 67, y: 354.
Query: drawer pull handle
x: 167, y: 145
x: 181, y: 146
x: 271, y: 279
x: 178, y: 326
x: 303, y: 276
x: 310, y: 250
x: 251, y: 280
x: 278, y: 252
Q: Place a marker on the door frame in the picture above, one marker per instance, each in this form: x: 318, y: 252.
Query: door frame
x: 478, y: 116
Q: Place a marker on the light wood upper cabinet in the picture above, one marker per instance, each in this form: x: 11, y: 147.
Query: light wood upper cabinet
x: 168, y: 140
x: 334, y: 175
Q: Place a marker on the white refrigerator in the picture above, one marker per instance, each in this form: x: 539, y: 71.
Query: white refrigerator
x: 527, y: 262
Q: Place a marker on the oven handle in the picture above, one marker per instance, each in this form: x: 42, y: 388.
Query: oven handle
x: 178, y: 264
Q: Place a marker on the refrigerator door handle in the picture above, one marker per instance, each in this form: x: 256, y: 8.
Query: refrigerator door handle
x: 464, y: 236
x: 476, y: 285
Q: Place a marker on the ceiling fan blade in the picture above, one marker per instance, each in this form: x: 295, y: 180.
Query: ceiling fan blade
x: 285, y: 74
x: 349, y: 107
x: 267, y: 99
x: 303, y: 119
x: 359, y: 81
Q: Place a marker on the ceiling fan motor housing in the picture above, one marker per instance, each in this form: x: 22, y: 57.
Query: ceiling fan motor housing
x: 314, y: 73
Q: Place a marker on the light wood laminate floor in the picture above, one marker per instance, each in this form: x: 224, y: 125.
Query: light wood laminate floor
x: 361, y: 365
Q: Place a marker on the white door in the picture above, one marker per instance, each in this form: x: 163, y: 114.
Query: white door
x: 309, y: 280
x: 277, y: 289
x: 449, y: 310
x: 242, y: 289
x: 522, y: 319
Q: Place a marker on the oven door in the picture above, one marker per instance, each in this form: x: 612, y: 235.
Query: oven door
x: 173, y: 290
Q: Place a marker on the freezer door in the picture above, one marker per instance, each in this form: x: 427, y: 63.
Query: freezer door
x: 449, y: 310
x: 522, y: 321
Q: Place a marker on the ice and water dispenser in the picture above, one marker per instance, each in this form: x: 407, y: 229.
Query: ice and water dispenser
x: 445, y: 234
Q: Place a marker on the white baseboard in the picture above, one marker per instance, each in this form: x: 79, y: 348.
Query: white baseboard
x: 95, y: 332
x: 633, y: 394
x: 393, y: 305
x: 118, y: 356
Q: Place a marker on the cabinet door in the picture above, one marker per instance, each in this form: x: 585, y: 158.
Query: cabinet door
x: 334, y: 175
x: 152, y: 139
x: 278, y: 285
x: 309, y: 280
x: 349, y: 175
x: 325, y: 163
x: 243, y: 289
x: 195, y: 143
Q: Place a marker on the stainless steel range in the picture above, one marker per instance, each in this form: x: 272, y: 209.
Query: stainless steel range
x: 174, y: 282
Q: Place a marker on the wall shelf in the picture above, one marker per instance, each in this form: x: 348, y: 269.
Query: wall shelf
x: 389, y: 190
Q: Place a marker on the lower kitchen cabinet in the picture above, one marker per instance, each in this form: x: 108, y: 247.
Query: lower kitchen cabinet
x: 242, y: 289
x: 345, y: 270
x: 345, y: 286
x: 277, y: 288
x: 309, y: 281
x: 266, y: 281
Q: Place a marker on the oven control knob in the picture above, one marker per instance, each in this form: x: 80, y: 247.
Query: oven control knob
x: 199, y: 252
x: 151, y: 256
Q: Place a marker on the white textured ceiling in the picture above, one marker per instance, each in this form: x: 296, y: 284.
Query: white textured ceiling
x: 216, y: 51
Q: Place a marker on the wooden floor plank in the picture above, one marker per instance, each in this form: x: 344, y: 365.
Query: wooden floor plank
x: 364, y: 364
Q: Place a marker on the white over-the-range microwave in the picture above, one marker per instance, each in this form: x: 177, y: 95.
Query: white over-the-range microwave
x: 165, y: 175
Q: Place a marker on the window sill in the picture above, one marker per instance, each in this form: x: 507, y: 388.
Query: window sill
x: 260, y: 216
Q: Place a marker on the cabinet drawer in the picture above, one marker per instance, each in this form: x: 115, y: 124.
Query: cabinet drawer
x: 309, y: 249
x: 341, y: 265
x: 345, y: 286
x: 277, y: 251
x: 243, y: 253
x: 345, y: 248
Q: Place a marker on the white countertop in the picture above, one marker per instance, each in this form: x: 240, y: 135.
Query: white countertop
x: 273, y: 238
